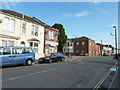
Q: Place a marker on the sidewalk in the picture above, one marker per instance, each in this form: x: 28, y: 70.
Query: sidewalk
x: 116, y: 80
x: 75, y: 57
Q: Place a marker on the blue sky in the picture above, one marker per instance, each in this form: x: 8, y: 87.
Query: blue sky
x: 91, y: 19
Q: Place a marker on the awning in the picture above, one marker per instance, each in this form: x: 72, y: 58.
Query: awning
x: 33, y: 39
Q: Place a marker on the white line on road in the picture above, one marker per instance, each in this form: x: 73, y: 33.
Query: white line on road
x: 27, y: 75
x: 79, y: 60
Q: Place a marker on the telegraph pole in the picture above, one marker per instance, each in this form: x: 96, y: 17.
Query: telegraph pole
x: 101, y: 47
x: 116, y: 57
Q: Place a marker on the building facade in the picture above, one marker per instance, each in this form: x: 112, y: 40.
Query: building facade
x: 51, y: 40
x: 83, y: 46
x: 17, y: 29
x: 69, y: 47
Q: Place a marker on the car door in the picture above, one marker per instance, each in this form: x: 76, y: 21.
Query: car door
x: 7, y: 58
x: 58, y: 56
x: 54, y: 57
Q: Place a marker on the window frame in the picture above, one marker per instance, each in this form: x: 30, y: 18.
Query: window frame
x: 24, y: 27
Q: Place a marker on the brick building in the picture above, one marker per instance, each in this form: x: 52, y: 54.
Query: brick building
x: 51, y: 40
x: 84, y: 46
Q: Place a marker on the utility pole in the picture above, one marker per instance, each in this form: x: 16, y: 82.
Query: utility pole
x: 101, y: 47
x: 116, y: 57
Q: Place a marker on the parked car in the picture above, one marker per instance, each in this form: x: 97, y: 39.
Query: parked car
x: 16, y: 55
x: 105, y: 54
x: 52, y: 58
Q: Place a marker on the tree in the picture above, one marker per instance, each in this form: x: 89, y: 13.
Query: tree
x: 62, y: 37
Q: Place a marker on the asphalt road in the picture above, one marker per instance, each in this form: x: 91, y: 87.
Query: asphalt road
x: 80, y: 73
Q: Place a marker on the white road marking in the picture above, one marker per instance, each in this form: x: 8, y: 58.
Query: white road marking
x: 79, y: 60
x: 27, y: 75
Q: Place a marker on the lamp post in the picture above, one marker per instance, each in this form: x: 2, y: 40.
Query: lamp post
x: 115, y: 41
x: 101, y: 47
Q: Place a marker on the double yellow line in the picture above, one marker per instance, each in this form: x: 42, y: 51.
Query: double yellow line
x: 103, y: 79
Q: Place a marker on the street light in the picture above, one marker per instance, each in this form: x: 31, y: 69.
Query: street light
x: 101, y: 47
x: 115, y: 41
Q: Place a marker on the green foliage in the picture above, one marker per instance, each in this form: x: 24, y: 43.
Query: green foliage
x: 62, y: 37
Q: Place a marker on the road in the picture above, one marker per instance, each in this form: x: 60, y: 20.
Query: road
x: 80, y: 73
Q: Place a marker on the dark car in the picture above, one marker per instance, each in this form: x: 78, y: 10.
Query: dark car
x: 105, y: 54
x: 52, y: 58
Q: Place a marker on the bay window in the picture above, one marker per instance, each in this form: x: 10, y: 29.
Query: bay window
x: 7, y: 43
x: 34, y: 45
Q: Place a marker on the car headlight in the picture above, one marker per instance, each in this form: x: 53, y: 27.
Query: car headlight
x: 47, y: 58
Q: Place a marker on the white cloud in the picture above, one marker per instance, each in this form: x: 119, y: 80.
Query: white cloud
x: 96, y: 2
x: 9, y: 3
x: 80, y: 14
x: 84, y: 13
x: 68, y: 15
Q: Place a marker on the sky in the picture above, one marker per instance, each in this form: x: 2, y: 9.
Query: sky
x: 91, y: 19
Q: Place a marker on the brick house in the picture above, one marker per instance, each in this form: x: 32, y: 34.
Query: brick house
x: 86, y: 47
x: 51, y: 40
x: 83, y: 46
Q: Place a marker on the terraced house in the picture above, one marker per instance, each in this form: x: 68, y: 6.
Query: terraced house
x: 17, y: 29
x: 51, y: 40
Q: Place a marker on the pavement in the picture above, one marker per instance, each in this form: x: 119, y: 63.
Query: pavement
x: 78, y: 72
x: 115, y: 84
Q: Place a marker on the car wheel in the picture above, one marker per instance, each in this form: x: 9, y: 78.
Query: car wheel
x: 50, y: 60
x: 28, y: 62
x: 62, y: 59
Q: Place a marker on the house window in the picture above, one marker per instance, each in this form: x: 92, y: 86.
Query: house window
x: 49, y: 34
x: 34, y: 45
x: 77, y: 43
x: 83, y: 43
x: 7, y: 43
x: 68, y: 44
x: 51, y: 49
x: 33, y: 30
x: 24, y: 28
x: 9, y: 24
x: 36, y: 31
x: 6, y: 23
x: 83, y: 51
x: 53, y: 35
x: 12, y: 25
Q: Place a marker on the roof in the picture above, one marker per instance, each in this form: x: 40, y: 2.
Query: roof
x: 32, y: 19
x: 13, y: 47
x: 83, y: 37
